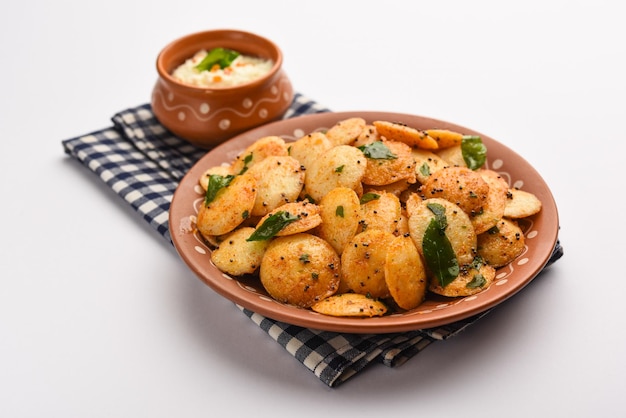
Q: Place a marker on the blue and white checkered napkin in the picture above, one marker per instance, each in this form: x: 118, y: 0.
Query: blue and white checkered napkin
x: 143, y: 163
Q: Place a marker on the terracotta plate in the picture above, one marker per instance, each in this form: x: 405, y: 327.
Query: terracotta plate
x: 541, y: 231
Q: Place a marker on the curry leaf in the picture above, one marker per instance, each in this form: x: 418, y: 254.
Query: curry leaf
x: 272, y: 225
x: 216, y: 183
x: 474, y: 151
x: 220, y: 56
x: 438, y: 252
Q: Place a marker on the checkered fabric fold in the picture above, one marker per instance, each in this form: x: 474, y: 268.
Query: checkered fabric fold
x: 143, y: 163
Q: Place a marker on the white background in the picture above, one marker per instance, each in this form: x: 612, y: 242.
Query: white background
x: 100, y: 318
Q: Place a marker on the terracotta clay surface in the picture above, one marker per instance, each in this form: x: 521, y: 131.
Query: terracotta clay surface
x: 208, y: 116
x: 541, y: 232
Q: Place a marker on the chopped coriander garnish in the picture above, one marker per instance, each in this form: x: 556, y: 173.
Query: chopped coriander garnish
x: 368, y: 197
x: 477, y: 281
x: 246, y: 161
x: 377, y: 151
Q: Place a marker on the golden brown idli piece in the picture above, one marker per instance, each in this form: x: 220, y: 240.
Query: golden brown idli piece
x: 363, y: 263
x: 309, y: 148
x: 395, y: 131
x: 340, y: 211
x: 452, y: 156
x: 459, y: 185
x: 300, y: 269
x: 346, y: 131
x: 470, y: 281
x: 445, y: 138
x: 350, y: 305
x: 382, y: 213
x: 459, y: 231
x: 308, y: 217
x: 340, y: 166
x: 368, y: 135
x: 237, y: 256
x: 279, y: 180
x: 382, y: 171
x: 412, y: 203
x: 402, y: 226
x: 397, y: 188
x: 521, y: 204
x: 426, y: 163
x: 493, y: 210
x: 257, y: 151
x: 501, y: 244
x: 221, y: 170
x: 405, y: 273
x: 230, y: 207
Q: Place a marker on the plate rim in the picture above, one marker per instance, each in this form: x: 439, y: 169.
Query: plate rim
x: 306, y: 318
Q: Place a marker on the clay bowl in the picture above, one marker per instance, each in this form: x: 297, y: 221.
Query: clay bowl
x: 206, y: 116
x: 248, y: 292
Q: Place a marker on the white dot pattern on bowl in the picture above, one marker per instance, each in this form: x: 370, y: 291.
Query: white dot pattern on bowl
x: 275, y: 94
x: 224, y: 124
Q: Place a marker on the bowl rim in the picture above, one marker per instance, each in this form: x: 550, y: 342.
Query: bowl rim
x: 203, y: 37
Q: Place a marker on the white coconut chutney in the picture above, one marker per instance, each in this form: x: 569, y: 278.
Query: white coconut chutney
x: 242, y: 70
